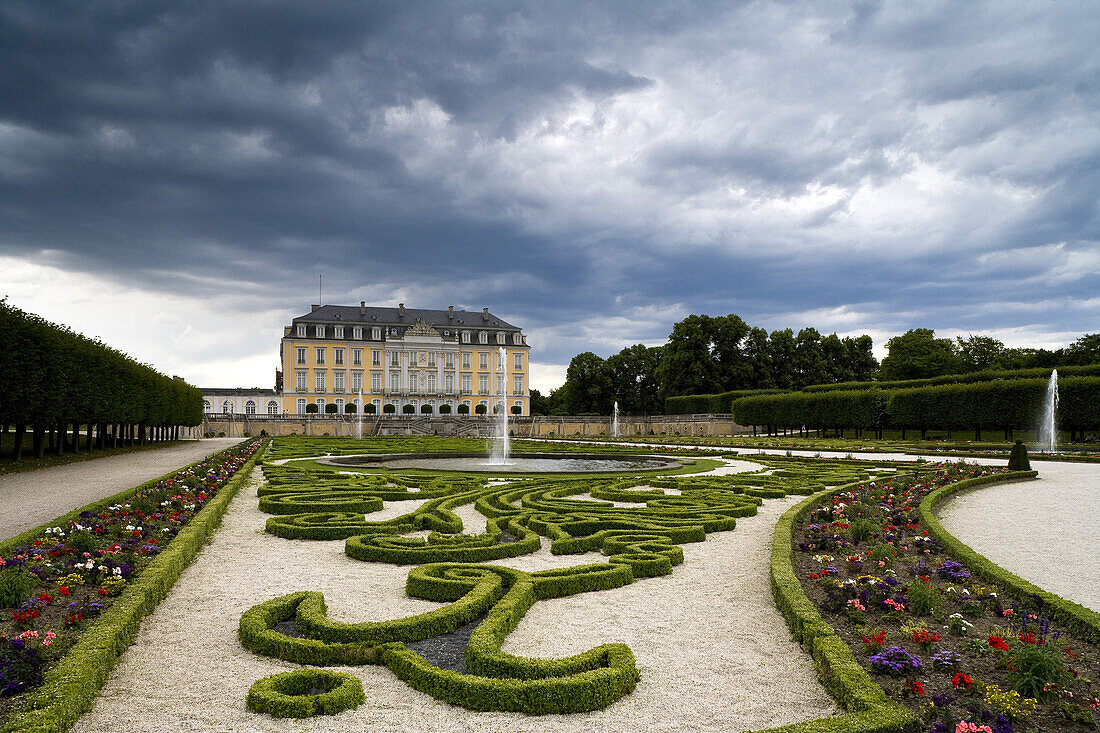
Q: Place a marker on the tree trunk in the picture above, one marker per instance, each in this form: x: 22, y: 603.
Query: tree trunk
x: 39, y: 441
x: 17, y: 444
x: 76, y: 437
x: 978, y: 432
x: 59, y: 446
x: 88, y: 439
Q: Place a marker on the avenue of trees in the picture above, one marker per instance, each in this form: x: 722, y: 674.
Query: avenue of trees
x: 56, y: 383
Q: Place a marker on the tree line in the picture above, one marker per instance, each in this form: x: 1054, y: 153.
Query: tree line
x: 56, y: 382
x: 709, y: 362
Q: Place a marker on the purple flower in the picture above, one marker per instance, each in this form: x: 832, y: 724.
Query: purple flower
x: 953, y: 570
x: 895, y: 661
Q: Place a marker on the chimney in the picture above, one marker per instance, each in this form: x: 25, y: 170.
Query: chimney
x: 400, y: 310
x: 314, y: 307
x: 450, y: 313
x: 362, y: 307
x: 484, y: 314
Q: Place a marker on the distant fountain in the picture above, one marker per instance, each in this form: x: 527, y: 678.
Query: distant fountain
x: 498, y: 455
x: 359, y: 424
x: 1048, y: 428
x: 615, y: 421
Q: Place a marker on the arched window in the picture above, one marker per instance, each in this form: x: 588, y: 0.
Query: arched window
x: 206, y: 406
x: 250, y: 408
x: 272, y: 408
x: 301, y: 406
x: 227, y: 407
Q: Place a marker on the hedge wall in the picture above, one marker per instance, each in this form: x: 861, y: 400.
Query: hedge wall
x: 55, y: 379
x: 1002, y: 404
x: 715, y: 404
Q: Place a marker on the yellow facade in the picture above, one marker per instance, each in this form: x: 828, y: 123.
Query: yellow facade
x: 336, y: 355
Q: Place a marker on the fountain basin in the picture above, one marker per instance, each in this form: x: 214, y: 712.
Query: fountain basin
x: 522, y: 463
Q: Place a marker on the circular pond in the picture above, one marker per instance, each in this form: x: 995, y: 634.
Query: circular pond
x: 523, y: 463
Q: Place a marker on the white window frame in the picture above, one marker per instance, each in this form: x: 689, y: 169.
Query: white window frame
x: 376, y: 382
x: 227, y: 407
x: 356, y: 381
x: 483, y: 360
x: 449, y: 383
x: 465, y: 359
x: 272, y: 407
x: 465, y: 383
x: 500, y: 337
x: 357, y: 333
x: 300, y: 355
x: 319, y: 353
x: 319, y: 331
x: 338, y: 358
x: 357, y: 357
x: 517, y: 384
x: 517, y: 361
x: 338, y: 381
x: 301, y: 380
x: 250, y: 407
x: 483, y: 384
x: 301, y: 330
x: 338, y: 332
x: 376, y: 357
x: 301, y: 405
x: 465, y: 337
x: 319, y: 380
x: 482, y: 337
x: 376, y: 333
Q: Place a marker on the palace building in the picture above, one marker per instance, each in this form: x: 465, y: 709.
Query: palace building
x: 404, y: 360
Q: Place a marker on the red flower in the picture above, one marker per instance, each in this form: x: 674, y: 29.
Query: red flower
x: 916, y: 687
x: 961, y: 680
x: 998, y: 643
x: 63, y: 590
x: 101, y: 592
x: 1028, y: 638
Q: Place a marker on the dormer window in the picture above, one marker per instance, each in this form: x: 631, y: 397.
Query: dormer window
x: 517, y: 339
x: 357, y: 333
x: 376, y: 333
x: 482, y: 337
x: 465, y: 337
x: 339, y: 332
x: 500, y: 337
x: 320, y: 331
x: 301, y: 330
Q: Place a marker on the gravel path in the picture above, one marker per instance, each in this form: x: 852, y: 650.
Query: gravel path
x: 1046, y: 531
x: 31, y: 498
x: 712, y: 651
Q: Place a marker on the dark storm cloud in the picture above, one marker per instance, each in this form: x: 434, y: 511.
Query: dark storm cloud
x: 567, y: 163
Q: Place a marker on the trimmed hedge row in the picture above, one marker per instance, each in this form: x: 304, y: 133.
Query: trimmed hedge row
x: 998, y: 404
x: 71, y: 686
x: 288, y: 694
x: 1079, y: 619
x: 712, y: 404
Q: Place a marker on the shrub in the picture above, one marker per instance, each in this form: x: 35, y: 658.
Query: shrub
x: 16, y: 586
x: 408, y: 410
x: 923, y: 598
x: 370, y: 408
x: 350, y: 407
x: 1017, y: 459
x: 862, y: 529
x: 389, y: 409
x: 516, y: 409
x: 305, y: 692
x: 311, y: 409
x: 427, y: 409
x: 463, y: 409
x: 481, y: 409
x: 444, y: 409
x: 331, y: 408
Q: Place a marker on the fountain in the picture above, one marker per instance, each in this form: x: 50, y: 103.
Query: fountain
x: 359, y: 424
x: 498, y: 455
x: 615, y: 421
x: 1048, y: 428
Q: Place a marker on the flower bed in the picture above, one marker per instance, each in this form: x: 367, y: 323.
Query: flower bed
x: 960, y: 652
x: 56, y: 580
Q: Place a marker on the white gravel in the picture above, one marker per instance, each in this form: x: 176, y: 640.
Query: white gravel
x: 31, y: 498
x: 1045, y: 531
x: 712, y: 651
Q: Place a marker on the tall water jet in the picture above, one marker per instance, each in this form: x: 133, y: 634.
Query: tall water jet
x: 359, y: 424
x: 498, y: 455
x: 615, y: 421
x: 1048, y: 428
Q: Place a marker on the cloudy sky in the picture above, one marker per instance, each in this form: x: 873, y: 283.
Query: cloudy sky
x: 175, y: 176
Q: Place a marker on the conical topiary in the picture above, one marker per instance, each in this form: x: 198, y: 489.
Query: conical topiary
x: 1017, y: 459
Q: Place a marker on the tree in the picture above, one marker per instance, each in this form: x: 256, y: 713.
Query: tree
x: 781, y: 355
x: 539, y: 405
x: 758, y: 356
x: 862, y: 363
x: 634, y: 378
x: 1083, y: 351
x: 589, y: 385
x: 687, y: 364
x: 809, y: 360
x: 977, y: 353
x: 918, y: 354
x: 837, y: 364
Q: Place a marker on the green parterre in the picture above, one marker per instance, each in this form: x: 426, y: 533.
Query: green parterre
x: 638, y: 523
